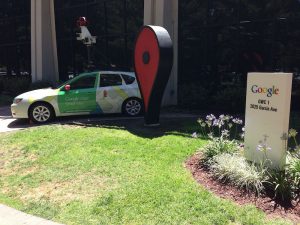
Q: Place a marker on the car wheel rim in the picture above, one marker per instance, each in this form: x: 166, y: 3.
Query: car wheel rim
x: 41, y: 113
x: 133, y: 107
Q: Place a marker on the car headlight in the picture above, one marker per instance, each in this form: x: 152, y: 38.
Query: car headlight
x: 17, y: 100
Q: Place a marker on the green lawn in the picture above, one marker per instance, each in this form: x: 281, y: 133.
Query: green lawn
x: 111, y: 174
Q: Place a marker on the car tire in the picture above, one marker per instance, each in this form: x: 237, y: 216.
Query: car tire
x: 41, y: 113
x: 132, y: 107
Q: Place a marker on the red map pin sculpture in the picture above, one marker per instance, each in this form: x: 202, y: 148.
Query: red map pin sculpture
x: 153, y: 61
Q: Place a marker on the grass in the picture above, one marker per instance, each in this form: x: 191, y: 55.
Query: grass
x: 5, y: 100
x: 112, y: 174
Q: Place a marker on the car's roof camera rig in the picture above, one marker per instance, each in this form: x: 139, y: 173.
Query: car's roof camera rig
x: 87, y: 39
x: 85, y: 35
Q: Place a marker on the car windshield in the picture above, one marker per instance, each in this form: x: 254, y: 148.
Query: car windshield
x: 60, y: 84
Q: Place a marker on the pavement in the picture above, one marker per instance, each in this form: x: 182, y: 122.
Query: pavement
x: 6, y: 121
x: 9, y: 124
x: 10, y: 216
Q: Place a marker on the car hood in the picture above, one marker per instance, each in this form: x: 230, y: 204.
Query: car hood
x: 38, y: 94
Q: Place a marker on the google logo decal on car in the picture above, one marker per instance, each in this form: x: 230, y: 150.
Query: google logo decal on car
x: 263, y: 90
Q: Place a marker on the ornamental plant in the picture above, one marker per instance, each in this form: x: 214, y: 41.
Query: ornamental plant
x: 213, y: 126
x: 222, y: 155
x: 234, y: 168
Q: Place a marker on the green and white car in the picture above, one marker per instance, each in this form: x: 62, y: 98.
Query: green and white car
x: 88, y: 93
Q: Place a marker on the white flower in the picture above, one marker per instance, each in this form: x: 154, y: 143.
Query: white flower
x: 262, y: 146
x: 194, y: 135
x: 222, y: 117
x: 292, y: 133
x: 211, y: 135
x: 218, y: 123
x: 237, y: 121
x: 199, y: 121
x: 209, y: 123
x: 225, y: 133
x: 227, y: 117
x: 210, y: 117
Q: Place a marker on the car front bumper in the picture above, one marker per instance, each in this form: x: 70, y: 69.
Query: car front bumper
x: 19, y: 110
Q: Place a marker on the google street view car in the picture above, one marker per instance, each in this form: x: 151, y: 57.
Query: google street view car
x: 88, y: 93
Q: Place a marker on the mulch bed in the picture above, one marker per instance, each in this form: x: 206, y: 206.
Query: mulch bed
x: 273, y: 208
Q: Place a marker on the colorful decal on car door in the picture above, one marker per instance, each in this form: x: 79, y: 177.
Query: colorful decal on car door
x: 111, y: 99
x: 81, y: 97
x: 121, y: 92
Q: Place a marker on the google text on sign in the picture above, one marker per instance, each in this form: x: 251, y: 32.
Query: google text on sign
x: 267, y: 117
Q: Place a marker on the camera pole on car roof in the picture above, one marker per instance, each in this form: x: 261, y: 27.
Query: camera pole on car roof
x: 87, y: 39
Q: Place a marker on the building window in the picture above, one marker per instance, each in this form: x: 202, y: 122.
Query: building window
x: 221, y: 41
x: 115, y: 23
x: 15, y: 51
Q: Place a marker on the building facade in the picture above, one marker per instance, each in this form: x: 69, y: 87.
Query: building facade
x: 216, y: 42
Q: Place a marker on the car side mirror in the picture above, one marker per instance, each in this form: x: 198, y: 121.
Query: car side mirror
x: 67, y: 87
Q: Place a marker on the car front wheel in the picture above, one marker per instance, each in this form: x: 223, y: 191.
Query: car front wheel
x: 40, y: 113
x: 132, y: 107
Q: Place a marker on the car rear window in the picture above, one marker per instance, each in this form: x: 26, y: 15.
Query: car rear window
x: 128, y: 79
x: 110, y: 80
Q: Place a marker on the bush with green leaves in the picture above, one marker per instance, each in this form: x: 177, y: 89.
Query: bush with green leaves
x: 230, y: 99
x: 285, y: 183
x: 39, y: 85
x: 15, y: 85
x: 279, y: 182
x: 218, y: 146
x: 221, y: 158
x: 294, y: 169
x: 193, y: 96
x: 234, y: 168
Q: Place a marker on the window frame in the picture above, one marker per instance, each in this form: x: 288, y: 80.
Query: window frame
x: 82, y: 77
x: 111, y: 74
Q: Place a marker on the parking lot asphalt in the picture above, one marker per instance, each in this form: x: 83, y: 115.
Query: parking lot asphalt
x: 9, y: 124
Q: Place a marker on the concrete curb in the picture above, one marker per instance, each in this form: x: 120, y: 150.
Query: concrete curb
x: 10, y: 216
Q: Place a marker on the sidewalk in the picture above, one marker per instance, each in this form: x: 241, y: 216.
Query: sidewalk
x: 10, y: 216
x: 6, y: 120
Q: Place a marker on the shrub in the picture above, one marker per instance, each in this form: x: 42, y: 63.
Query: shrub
x: 285, y: 183
x: 14, y: 85
x: 193, y: 95
x: 39, y: 85
x: 235, y: 169
x: 1, y: 86
x: 279, y: 183
x: 230, y: 99
x: 293, y: 169
x: 218, y: 146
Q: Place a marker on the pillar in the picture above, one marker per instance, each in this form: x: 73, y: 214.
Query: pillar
x: 44, y: 63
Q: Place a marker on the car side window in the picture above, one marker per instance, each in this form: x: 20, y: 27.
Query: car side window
x: 110, y: 80
x: 128, y: 79
x: 84, y: 82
